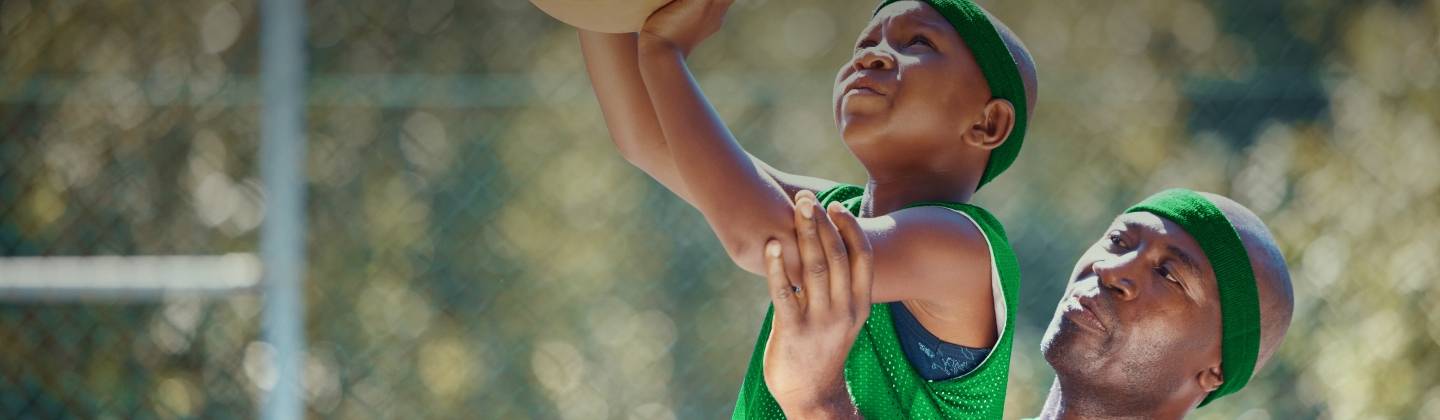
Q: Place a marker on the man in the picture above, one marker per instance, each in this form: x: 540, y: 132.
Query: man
x: 1168, y: 311
x: 1179, y: 302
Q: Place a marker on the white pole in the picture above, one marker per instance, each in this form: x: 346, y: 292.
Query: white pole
x: 146, y: 278
x: 282, y: 163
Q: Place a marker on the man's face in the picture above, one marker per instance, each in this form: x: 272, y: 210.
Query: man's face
x: 911, y: 79
x: 1141, y: 313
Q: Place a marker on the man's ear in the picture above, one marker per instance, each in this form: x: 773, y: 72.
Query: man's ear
x: 996, y: 122
x: 1210, y: 379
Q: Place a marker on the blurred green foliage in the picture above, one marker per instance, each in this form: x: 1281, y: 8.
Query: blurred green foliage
x: 479, y: 249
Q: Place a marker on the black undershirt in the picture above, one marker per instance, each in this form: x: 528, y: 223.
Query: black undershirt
x: 932, y: 358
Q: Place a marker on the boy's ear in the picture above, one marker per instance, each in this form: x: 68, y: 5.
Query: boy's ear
x: 1210, y: 379
x: 996, y: 122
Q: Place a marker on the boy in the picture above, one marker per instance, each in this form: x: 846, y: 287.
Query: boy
x: 933, y: 104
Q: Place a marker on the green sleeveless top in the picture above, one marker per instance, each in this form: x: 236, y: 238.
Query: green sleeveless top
x: 882, y: 383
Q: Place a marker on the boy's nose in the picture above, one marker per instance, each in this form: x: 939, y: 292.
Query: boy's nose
x: 873, y: 59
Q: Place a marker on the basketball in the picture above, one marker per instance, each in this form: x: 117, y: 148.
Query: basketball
x: 612, y: 16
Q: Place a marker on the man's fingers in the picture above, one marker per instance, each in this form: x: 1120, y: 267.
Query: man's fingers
x: 787, y: 307
x: 835, y: 256
x: 862, y: 257
x: 812, y: 253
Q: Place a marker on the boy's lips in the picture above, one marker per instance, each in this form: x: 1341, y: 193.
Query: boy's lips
x: 866, y: 84
x: 862, y: 91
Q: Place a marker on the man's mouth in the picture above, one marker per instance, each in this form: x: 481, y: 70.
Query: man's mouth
x: 1081, y: 310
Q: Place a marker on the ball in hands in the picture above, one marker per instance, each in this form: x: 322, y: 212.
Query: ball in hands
x: 612, y: 16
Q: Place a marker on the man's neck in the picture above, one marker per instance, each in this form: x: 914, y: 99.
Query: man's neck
x: 1067, y: 402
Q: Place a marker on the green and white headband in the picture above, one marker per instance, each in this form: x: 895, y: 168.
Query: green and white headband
x: 1239, y: 297
x: 999, y: 67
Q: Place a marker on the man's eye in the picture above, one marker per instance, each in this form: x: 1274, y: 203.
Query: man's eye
x: 1165, y: 272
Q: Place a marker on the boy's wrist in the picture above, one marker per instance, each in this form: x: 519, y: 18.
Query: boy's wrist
x: 650, y: 44
x: 832, y: 404
x: 836, y: 409
x: 589, y: 34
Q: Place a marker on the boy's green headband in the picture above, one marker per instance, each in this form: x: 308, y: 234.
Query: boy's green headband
x: 1239, y: 298
x: 998, y: 66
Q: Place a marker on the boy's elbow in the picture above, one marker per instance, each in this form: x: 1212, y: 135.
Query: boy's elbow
x: 746, y: 247
x: 747, y: 254
x: 635, y: 158
x: 638, y: 155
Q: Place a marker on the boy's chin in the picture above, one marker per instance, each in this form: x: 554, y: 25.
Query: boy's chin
x: 859, y: 131
x: 858, y: 144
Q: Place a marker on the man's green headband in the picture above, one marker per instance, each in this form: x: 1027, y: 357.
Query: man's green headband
x: 999, y: 67
x: 1239, y: 297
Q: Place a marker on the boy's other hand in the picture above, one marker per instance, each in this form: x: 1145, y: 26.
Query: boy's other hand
x: 683, y: 24
x: 814, y: 327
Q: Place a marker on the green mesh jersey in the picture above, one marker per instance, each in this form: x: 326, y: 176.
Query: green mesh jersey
x: 882, y: 383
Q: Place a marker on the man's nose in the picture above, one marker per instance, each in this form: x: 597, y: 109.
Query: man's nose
x: 873, y: 58
x: 1115, y: 277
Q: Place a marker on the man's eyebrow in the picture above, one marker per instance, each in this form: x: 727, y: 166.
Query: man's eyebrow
x: 1185, y: 259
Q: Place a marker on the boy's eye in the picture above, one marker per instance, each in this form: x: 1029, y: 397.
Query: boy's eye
x: 1116, y: 242
x: 920, y: 40
x: 865, y: 44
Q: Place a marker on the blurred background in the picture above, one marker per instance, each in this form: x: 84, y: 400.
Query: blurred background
x: 478, y: 248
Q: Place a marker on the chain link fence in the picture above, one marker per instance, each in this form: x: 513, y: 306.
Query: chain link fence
x: 477, y: 247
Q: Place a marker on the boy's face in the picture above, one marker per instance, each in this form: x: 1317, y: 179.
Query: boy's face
x: 911, y: 83
x: 1141, y: 313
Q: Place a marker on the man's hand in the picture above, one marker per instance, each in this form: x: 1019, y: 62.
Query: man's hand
x: 683, y: 24
x: 815, y: 326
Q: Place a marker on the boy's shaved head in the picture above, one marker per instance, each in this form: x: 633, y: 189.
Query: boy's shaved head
x: 1023, y: 61
x: 918, y: 96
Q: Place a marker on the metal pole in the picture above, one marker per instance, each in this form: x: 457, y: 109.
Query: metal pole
x: 134, y: 278
x: 282, y: 162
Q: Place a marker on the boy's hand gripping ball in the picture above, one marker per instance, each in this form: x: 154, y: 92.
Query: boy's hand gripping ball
x: 612, y: 16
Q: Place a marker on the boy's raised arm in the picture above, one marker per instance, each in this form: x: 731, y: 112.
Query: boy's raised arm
x: 612, y: 63
x: 741, y: 202
x: 614, y: 70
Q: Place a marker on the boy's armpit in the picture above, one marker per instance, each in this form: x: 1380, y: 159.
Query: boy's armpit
x: 932, y: 254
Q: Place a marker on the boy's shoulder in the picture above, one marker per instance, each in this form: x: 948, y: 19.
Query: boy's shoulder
x: 849, y: 194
